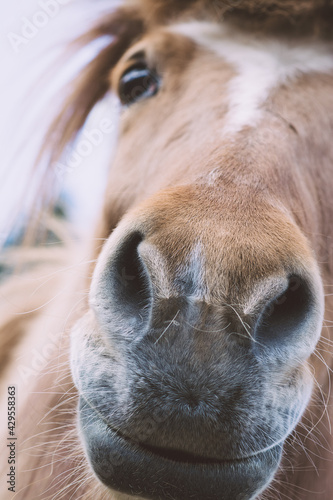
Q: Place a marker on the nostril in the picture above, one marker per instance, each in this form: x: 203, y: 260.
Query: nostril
x: 129, y: 279
x: 287, y: 314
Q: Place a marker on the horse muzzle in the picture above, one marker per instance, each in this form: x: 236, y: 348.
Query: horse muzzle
x: 192, y: 362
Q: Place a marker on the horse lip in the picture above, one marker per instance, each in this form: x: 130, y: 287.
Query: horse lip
x: 173, y: 454
x: 179, y: 456
x: 126, y: 466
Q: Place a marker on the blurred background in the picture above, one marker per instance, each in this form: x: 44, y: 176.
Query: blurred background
x: 35, y: 75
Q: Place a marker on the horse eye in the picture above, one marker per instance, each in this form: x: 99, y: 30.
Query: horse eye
x: 137, y: 83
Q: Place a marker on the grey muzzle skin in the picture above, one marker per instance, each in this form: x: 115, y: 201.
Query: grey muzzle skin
x: 178, y: 399
x: 129, y: 467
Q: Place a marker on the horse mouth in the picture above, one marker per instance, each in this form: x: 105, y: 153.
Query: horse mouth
x: 154, y: 473
x: 184, y: 457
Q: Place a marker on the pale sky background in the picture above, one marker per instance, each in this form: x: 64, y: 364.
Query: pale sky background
x: 33, y: 34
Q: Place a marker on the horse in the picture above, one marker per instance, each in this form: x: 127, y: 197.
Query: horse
x: 185, y: 351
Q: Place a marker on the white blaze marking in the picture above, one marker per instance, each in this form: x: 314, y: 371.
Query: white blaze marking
x: 261, y: 63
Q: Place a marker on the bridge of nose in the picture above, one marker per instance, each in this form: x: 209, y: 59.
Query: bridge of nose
x: 207, y: 252
x: 218, y: 264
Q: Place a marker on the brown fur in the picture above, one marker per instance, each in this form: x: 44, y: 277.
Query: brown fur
x: 297, y: 177
x: 269, y: 15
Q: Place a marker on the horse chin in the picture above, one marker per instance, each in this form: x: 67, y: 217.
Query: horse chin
x: 133, y: 468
